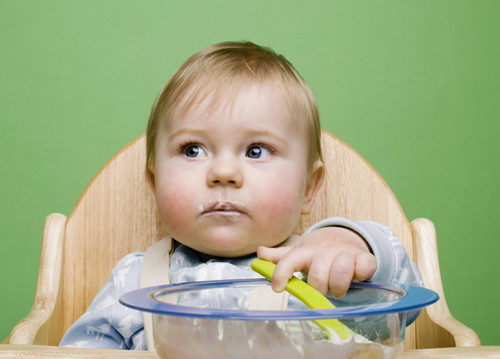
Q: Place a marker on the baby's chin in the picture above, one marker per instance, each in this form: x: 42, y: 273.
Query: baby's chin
x: 225, y: 252
x: 225, y: 249
x: 229, y: 241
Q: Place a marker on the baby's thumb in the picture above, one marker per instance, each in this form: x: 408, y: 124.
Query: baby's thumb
x: 280, y: 279
x: 272, y: 254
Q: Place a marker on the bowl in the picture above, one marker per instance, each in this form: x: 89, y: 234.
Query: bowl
x: 219, y: 319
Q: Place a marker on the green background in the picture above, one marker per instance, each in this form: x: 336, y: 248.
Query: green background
x: 414, y: 86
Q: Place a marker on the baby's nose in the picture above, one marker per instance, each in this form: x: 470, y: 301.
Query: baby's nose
x: 225, y: 172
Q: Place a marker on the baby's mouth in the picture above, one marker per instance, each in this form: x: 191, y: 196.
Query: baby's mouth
x: 223, y: 209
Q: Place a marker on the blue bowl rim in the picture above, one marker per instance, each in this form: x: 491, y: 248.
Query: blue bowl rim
x: 412, y: 298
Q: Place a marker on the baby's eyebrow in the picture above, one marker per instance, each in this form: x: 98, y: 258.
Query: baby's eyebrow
x: 246, y: 135
x: 185, y: 131
x: 266, y: 133
x: 193, y: 131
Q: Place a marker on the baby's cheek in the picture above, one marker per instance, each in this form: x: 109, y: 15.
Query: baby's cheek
x: 173, y: 208
x: 281, y: 204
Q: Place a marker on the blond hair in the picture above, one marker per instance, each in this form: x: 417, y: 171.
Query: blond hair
x: 219, y: 71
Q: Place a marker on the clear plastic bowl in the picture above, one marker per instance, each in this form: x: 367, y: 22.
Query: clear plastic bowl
x: 216, y: 319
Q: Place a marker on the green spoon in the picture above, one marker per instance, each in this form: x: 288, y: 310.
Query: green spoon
x: 310, y: 297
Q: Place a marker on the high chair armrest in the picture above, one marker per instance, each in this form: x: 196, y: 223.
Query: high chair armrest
x: 426, y: 254
x: 49, y: 275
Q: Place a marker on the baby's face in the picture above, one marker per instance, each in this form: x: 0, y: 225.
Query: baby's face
x: 233, y: 177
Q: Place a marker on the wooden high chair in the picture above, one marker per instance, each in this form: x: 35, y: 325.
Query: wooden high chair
x: 116, y: 215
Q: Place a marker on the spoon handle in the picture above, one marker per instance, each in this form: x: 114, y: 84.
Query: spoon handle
x: 308, y: 295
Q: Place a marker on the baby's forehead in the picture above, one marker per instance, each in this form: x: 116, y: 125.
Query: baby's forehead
x: 253, y: 109
x: 213, y: 98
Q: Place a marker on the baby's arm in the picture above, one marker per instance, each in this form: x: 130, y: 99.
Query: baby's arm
x: 107, y: 324
x: 336, y: 251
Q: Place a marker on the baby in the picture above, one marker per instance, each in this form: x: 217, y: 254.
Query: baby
x: 234, y: 159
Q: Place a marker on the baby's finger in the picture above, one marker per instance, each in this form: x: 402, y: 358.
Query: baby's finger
x: 319, y: 273
x: 341, y: 274
x: 365, y: 266
x: 294, y: 260
x: 272, y: 254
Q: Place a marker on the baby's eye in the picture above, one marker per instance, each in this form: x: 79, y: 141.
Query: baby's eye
x: 258, y: 151
x: 194, y: 151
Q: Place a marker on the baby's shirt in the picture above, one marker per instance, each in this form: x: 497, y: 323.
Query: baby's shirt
x: 109, y: 325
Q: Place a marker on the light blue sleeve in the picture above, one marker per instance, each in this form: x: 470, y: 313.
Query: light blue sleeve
x: 107, y: 324
x: 393, y: 263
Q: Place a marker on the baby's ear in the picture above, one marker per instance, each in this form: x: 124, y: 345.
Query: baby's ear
x: 313, y: 185
x: 150, y: 175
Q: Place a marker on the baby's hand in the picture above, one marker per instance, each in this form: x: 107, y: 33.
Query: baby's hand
x: 332, y: 257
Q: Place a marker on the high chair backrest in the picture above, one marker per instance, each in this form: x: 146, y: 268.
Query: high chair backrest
x: 116, y: 215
